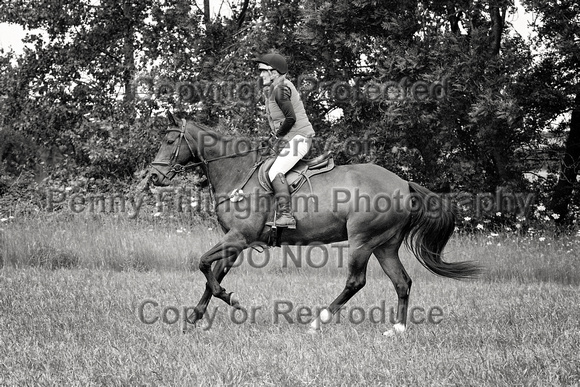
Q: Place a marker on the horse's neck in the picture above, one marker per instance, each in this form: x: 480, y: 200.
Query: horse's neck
x: 226, y: 173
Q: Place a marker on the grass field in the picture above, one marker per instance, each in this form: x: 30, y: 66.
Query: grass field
x: 71, y: 291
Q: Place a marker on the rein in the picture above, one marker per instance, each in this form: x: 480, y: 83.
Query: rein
x: 178, y: 168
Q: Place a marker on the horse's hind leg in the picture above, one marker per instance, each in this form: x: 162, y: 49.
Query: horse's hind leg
x: 388, y: 257
x: 357, y: 270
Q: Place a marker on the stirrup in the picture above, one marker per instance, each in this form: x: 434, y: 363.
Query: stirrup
x: 289, y: 226
x: 275, y: 224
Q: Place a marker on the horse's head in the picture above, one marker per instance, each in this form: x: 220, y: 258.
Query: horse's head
x: 178, y: 148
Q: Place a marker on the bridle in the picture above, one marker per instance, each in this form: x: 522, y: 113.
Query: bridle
x: 178, y: 168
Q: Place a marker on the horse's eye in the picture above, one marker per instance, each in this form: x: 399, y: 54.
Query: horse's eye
x: 170, y: 140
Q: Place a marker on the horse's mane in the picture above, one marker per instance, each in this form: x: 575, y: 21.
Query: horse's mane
x: 211, y: 130
x: 217, y: 132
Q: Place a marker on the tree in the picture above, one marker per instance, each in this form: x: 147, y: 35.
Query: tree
x: 468, y: 138
x: 74, y: 87
x: 558, y: 29
x: 437, y: 91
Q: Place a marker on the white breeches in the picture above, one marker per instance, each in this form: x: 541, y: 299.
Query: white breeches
x: 296, y: 148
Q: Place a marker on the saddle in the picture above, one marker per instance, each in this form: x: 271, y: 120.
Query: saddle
x: 299, y: 174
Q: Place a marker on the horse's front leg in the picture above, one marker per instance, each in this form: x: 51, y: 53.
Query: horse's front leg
x: 228, y: 249
x: 220, y: 269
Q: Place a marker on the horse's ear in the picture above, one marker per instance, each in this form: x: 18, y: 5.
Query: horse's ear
x: 171, y: 119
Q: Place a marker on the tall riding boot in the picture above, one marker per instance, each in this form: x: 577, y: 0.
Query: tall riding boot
x: 282, y: 194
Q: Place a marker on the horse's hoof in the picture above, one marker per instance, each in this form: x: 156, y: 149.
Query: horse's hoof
x: 188, y: 328
x: 193, y: 317
x: 397, y: 329
x: 234, y: 301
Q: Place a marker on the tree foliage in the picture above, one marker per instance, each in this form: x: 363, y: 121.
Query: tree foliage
x: 445, y: 92
x: 556, y: 75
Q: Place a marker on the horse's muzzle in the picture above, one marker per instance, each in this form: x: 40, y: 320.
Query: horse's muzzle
x: 158, y: 180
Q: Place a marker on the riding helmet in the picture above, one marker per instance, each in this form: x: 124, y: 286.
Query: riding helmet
x: 276, y: 61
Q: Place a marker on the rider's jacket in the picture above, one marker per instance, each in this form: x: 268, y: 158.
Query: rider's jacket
x: 285, y: 110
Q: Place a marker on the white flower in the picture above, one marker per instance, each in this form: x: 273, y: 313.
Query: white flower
x: 479, y: 226
x: 498, y: 213
x: 541, y: 207
x: 467, y: 218
x: 541, y: 239
x: 556, y: 216
x: 4, y: 220
x: 518, y: 226
x: 493, y: 234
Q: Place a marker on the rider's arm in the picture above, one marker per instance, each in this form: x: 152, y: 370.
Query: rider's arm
x: 282, y: 97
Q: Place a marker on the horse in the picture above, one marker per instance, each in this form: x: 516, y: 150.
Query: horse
x: 399, y: 211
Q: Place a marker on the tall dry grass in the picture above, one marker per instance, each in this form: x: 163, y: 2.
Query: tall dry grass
x: 176, y: 242
x: 104, y: 242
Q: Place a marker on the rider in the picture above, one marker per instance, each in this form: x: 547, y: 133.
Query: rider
x: 288, y: 121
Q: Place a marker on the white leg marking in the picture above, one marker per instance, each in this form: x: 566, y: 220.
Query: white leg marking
x: 324, y: 317
x: 397, y: 328
x: 235, y: 301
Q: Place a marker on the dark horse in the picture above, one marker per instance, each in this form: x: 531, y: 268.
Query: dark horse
x: 371, y: 207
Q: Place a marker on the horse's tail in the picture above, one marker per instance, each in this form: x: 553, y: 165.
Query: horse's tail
x: 427, y: 231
